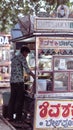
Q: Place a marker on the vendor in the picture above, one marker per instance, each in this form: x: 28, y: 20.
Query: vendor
x: 18, y: 64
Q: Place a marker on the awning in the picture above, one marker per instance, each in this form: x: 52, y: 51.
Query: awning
x: 24, y: 28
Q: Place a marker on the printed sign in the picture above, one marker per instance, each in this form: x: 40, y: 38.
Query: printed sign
x: 53, y: 42
x: 4, y: 39
x: 62, y: 64
x: 53, y: 113
x: 56, y: 24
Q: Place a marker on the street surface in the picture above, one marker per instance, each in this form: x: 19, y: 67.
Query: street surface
x: 6, y: 125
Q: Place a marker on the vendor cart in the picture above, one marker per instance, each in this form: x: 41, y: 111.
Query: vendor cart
x: 52, y: 59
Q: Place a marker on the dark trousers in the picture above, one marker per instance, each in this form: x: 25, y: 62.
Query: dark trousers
x: 16, y: 101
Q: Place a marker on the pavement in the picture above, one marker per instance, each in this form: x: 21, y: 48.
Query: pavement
x: 2, y: 90
x: 7, y: 125
x: 4, y: 124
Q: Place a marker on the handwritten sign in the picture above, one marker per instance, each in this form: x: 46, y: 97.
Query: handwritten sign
x: 53, y: 114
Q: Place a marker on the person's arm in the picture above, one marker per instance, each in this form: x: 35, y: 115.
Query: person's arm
x: 32, y: 74
x: 25, y: 65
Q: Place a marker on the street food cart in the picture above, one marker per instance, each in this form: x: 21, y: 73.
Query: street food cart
x: 54, y: 73
x: 52, y: 61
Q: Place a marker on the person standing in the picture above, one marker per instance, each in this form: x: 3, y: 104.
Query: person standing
x: 18, y: 64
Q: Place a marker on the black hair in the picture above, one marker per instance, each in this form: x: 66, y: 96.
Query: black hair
x: 24, y: 49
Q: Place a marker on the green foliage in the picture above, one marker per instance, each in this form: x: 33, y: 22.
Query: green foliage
x: 10, y: 9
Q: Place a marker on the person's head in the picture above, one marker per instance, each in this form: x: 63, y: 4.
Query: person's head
x: 24, y: 51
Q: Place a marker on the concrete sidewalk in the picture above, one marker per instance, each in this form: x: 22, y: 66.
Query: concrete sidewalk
x: 5, y: 125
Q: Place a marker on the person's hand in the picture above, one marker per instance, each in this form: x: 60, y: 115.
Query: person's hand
x: 33, y: 88
x: 32, y: 74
